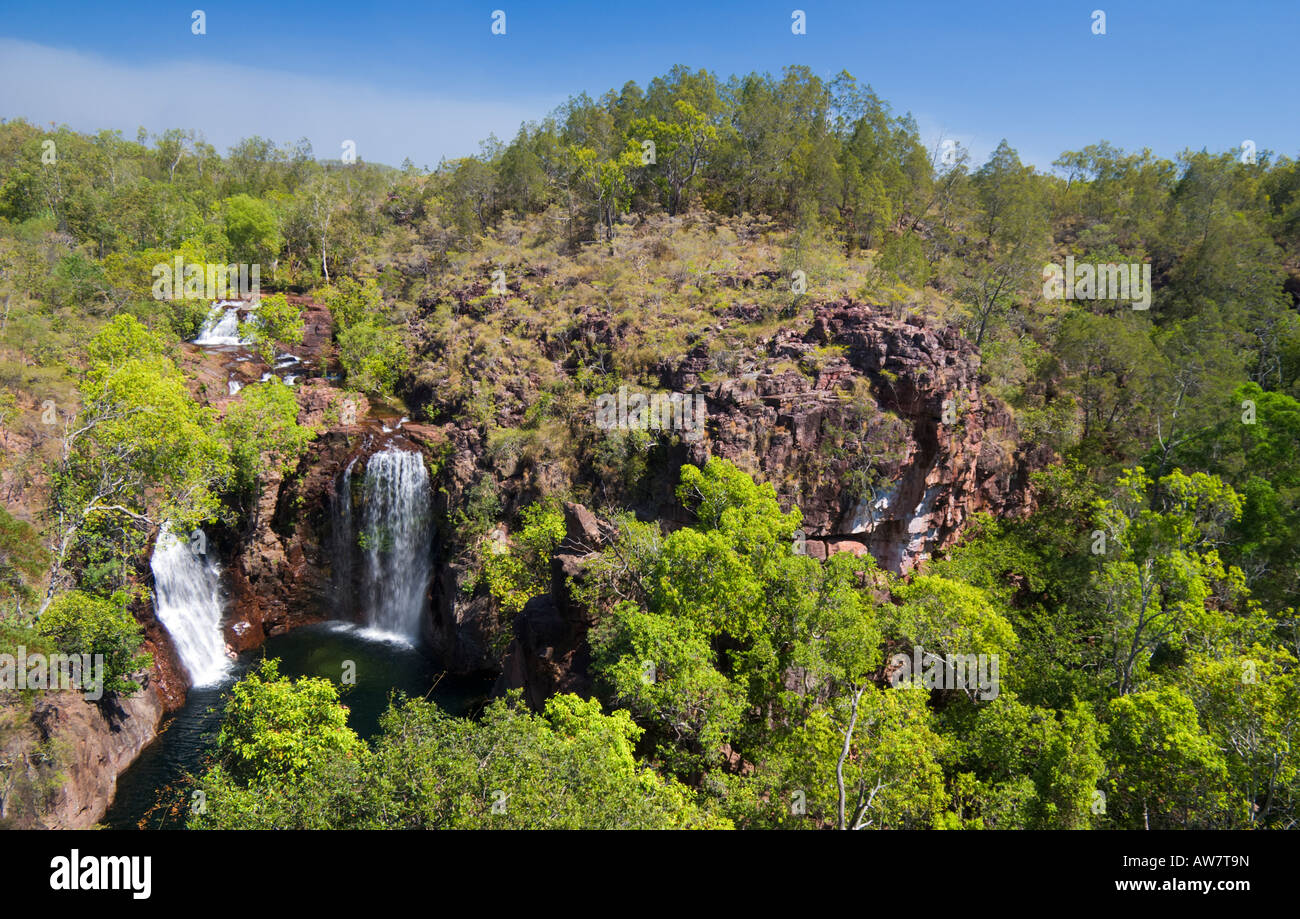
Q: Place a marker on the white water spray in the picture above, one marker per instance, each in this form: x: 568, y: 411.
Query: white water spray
x: 397, y: 541
x: 222, y: 325
x: 187, y: 601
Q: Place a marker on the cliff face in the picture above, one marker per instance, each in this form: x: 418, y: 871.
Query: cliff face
x: 888, y: 446
x: 549, y: 653
x: 876, y: 426
x: 90, y: 744
x: 282, y: 573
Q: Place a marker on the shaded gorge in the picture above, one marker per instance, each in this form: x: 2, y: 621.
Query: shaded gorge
x: 321, y: 650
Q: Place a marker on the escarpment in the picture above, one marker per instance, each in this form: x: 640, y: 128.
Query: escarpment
x: 887, y: 444
x: 874, y: 424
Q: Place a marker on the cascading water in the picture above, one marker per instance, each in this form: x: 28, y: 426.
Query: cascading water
x: 187, y: 601
x: 396, y: 542
x: 222, y: 325
x: 344, y: 537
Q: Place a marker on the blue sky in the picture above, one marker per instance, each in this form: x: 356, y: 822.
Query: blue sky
x: 428, y: 80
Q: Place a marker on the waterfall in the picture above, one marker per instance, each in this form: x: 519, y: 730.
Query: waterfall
x: 396, y: 542
x: 187, y: 601
x: 344, y: 539
x: 222, y: 325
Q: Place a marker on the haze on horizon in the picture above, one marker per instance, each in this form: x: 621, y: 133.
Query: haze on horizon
x: 433, y: 81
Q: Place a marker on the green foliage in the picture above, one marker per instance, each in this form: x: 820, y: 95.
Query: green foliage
x: 22, y: 561
x: 373, y: 356
x: 1058, y: 753
x: 351, y: 302
x: 121, y: 340
x: 1249, y: 705
x: 947, y: 617
x: 1166, y: 772
x: 139, y: 453
x: 1261, y: 460
x: 275, y: 729
x: 663, y: 670
x: 737, y: 641
x: 893, y: 773
x: 1161, y: 581
x: 80, y: 623
x: 252, y: 229
x: 276, y: 322
x: 571, y: 767
x: 478, y: 511
x: 262, y: 433
x: 521, y: 569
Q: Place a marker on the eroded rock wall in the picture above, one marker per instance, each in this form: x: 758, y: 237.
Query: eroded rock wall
x: 90, y: 745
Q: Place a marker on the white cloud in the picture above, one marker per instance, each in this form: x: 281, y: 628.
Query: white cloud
x: 228, y: 102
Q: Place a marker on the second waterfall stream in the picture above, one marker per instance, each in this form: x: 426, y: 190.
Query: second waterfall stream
x: 188, y: 603
x: 395, y: 541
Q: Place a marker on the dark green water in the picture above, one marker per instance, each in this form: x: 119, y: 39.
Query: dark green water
x: 380, y: 668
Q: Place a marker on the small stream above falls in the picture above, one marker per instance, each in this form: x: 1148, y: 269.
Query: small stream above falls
x: 219, y: 336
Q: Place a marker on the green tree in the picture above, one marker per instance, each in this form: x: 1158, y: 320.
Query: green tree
x: 252, y: 229
x: 516, y: 572
x: 80, y: 623
x: 350, y: 302
x: 289, y: 762
x: 262, y: 434
x: 1013, y: 221
x: 1161, y: 570
x: 1038, y: 768
x: 1250, y: 707
x: 22, y: 561
x: 373, y: 356
x: 276, y: 729
x: 139, y: 453
x: 682, y: 145
x: 607, y: 183
x: 1165, y: 772
x: 276, y: 322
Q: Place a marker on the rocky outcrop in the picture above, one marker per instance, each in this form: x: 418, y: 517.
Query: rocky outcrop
x: 85, y: 746
x: 282, y: 574
x: 549, y: 653
x: 875, y: 427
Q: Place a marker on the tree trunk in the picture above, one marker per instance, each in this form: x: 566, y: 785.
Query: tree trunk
x: 844, y: 754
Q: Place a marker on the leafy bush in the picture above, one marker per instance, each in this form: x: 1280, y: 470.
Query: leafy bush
x: 276, y: 322
x: 81, y: 623
x: 517, y: 572
x: 373, y: 356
